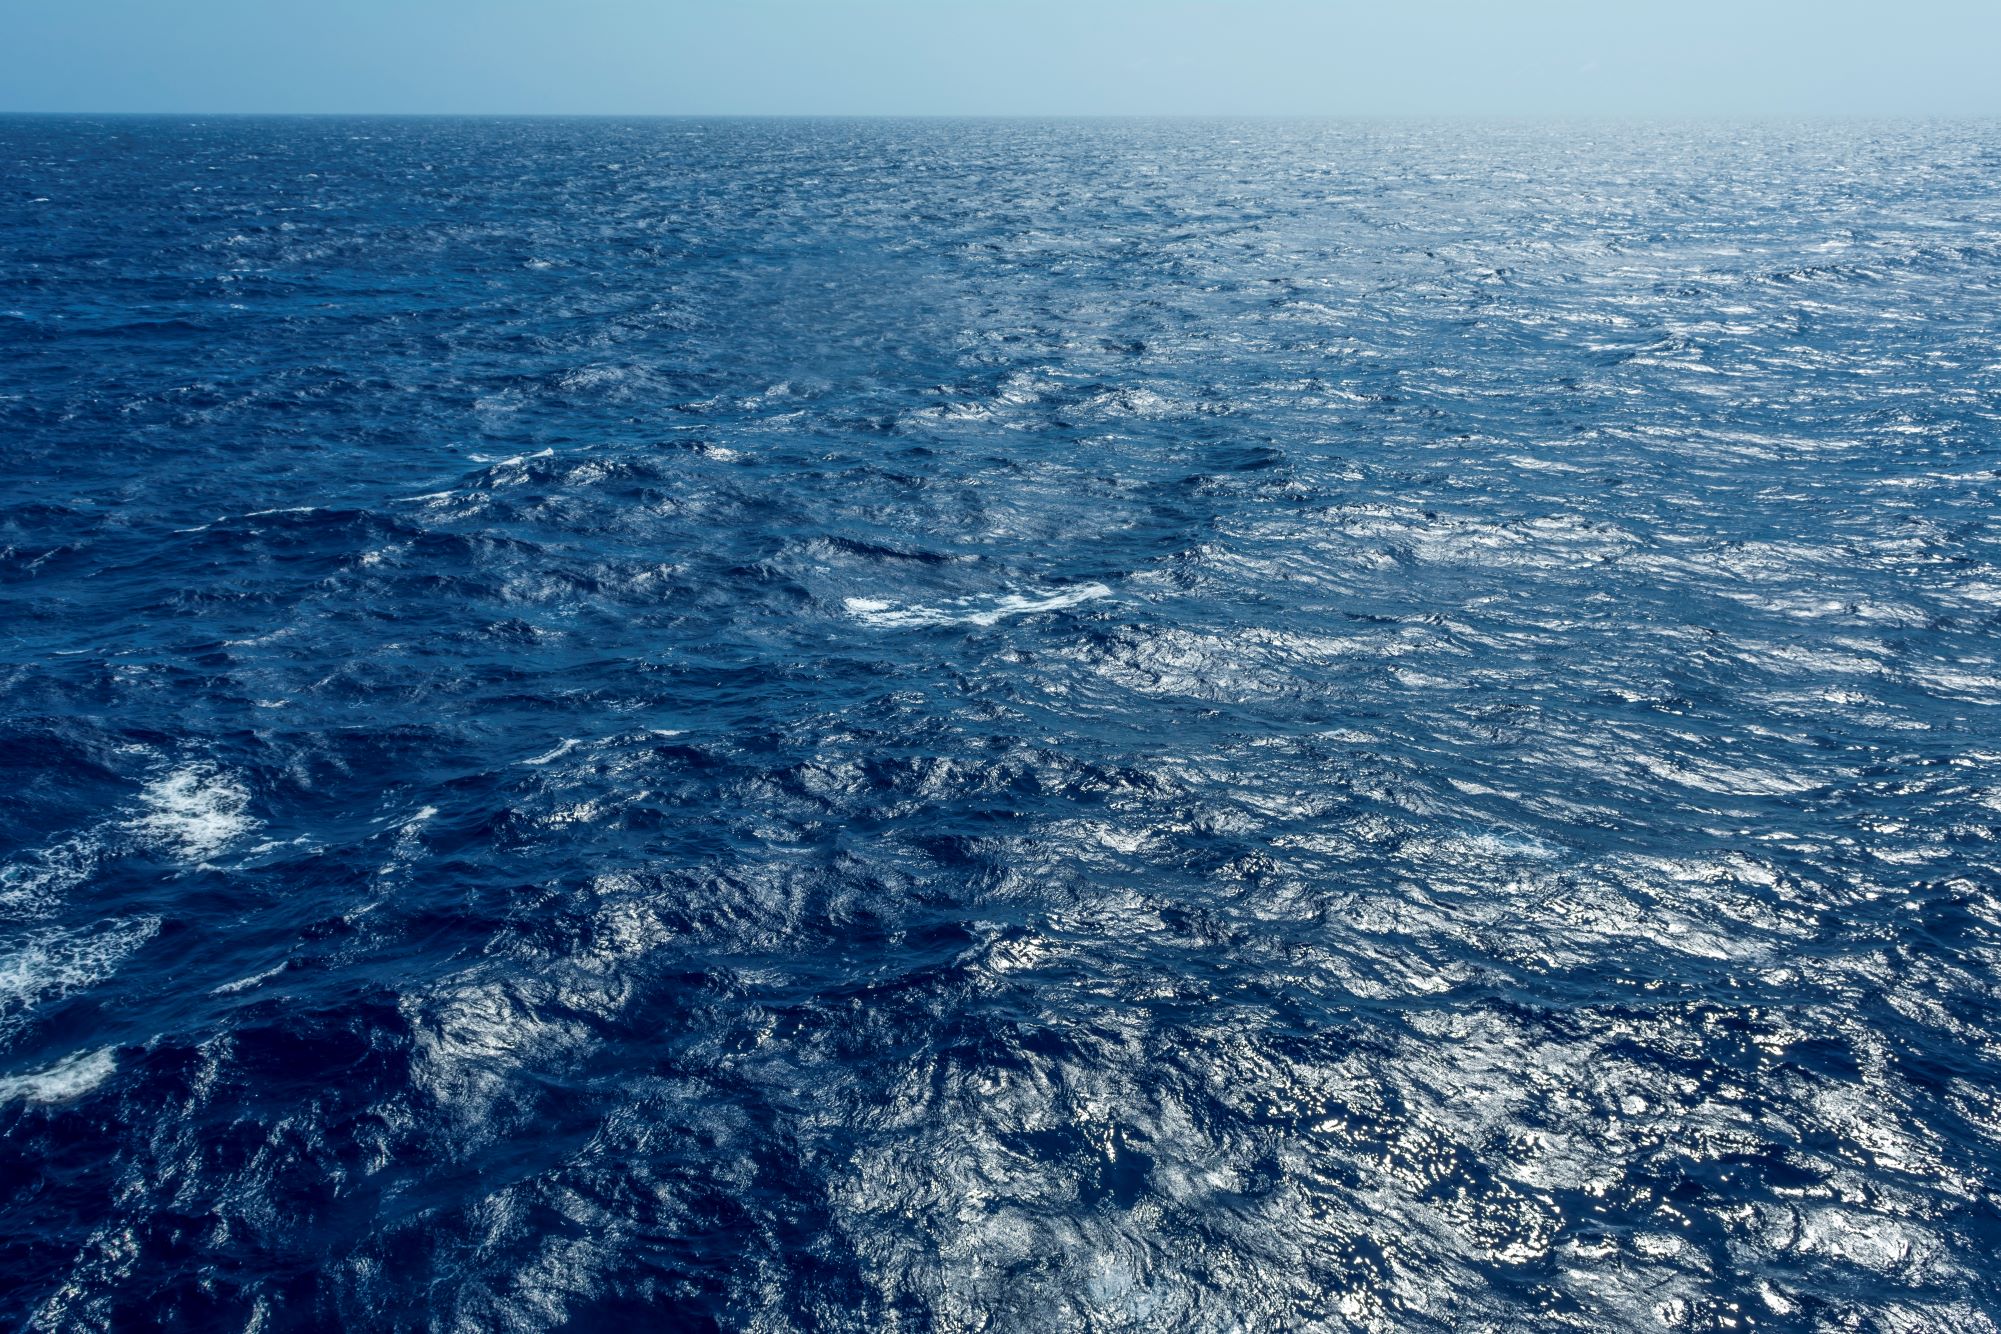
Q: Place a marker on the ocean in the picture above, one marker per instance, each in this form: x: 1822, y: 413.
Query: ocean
x: 999, y: 725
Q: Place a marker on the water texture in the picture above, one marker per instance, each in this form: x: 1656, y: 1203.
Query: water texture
x: 988, y: 726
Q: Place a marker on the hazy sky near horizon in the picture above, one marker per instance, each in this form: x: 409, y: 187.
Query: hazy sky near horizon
x: 1006, y: 57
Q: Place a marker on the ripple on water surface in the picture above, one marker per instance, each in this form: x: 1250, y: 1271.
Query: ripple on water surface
x: 1004, y: 725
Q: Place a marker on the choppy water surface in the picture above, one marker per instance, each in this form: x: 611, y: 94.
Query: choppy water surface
x: 999, y: 726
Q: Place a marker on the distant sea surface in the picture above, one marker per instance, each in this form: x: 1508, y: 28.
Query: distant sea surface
x: 1186, y: 725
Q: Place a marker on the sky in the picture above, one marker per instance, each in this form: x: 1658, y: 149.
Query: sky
x: 1006, y: 57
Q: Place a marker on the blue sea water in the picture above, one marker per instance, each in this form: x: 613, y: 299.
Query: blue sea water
x: 770, y: 725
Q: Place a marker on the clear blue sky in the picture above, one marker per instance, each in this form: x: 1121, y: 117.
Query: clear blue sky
x: 1448, y: 57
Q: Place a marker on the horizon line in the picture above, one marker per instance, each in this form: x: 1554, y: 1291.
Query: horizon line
x: 1599, y: 116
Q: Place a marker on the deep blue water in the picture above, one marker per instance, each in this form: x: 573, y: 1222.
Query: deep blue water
x: 999, y: 726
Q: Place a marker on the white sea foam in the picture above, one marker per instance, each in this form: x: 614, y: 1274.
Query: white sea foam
x: 972, y: 611
x: 511, y: 461
x: 246, y: 983
x: 568, y: 744
x: 48, y: 965
x: 1505, y: 843
x: 71, y: 1077
x: 32, y: 886
x: 194, y: 811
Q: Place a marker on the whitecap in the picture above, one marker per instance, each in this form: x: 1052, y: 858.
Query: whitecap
x: 1507, y: 843
x: 246, y: 983
x: 972, y: 611
x: 249, y: 514
x: 31, y: 887
x: 48, y: 965
x: 568, y: 744
x: 71, y: 1077
x: 194, y: 811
